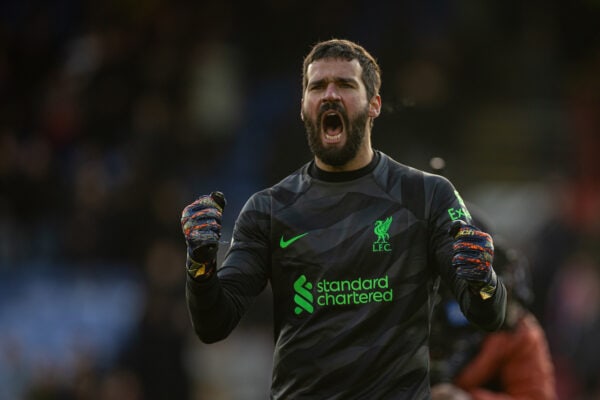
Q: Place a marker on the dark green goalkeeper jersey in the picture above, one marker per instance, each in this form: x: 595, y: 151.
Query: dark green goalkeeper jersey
x: 352, y: 259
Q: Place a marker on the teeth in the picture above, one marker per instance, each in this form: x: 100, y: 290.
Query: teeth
x: 333, y: 137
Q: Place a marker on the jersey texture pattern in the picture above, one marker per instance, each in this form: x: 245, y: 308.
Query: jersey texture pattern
x: 353, y: 267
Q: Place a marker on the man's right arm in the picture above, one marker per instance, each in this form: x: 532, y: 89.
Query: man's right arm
x: 217, y: 302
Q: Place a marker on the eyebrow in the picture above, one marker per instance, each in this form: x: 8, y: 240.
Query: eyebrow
x: 337, y: 80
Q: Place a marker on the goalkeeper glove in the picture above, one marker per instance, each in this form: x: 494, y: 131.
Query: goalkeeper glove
x: 473, y: 253
x: 201, y: 225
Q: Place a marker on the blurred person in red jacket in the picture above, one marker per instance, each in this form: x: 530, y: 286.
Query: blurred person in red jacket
x: 512, y: 363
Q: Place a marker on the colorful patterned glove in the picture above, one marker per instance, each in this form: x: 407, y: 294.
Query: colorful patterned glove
x: 201, y: 225
x: 473, y: 253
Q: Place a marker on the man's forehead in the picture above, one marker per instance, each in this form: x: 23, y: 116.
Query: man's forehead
x: 333, y: 67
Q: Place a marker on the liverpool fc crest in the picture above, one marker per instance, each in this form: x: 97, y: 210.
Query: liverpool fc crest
x: 381, y: 230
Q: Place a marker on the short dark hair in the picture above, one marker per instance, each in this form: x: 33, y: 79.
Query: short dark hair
x: 346, y: 50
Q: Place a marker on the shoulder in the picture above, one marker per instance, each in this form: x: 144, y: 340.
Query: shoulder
x: 294, y: 182
x: 530, y: 329
x: 526, y: 332
x: 283, y: 192
x: 393, y: 173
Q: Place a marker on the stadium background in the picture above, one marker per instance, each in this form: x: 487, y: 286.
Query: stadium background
x: 114, y: 115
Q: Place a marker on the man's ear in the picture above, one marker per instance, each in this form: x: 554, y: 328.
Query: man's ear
x: 375, y: 106
x: 301, y: 113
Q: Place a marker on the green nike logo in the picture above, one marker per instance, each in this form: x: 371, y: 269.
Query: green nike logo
x: 285, y: 243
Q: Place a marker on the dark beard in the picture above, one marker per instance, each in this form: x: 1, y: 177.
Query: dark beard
x: 335, y: 156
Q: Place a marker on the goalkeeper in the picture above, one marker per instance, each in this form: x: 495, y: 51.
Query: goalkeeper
x: 352, y: 244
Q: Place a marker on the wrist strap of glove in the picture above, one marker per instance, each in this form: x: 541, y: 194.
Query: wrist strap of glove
x: 485, y: 290
x: 200, y: 270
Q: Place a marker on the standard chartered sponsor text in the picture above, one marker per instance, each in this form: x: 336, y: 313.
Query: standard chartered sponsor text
x: 356, y: 291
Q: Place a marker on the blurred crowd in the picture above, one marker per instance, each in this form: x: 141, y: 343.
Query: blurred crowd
x: 114, y: 115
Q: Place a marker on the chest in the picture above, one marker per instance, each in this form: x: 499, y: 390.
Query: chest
x: 353, y: 235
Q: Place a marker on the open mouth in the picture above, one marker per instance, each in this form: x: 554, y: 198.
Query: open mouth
x: 333, y: 126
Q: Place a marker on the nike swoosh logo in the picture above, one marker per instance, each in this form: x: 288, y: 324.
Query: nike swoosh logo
x: 285, y: 243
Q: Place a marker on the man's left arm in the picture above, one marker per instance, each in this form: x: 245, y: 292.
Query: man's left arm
x: 464, y: 256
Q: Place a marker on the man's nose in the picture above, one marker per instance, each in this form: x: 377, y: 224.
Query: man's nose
x: 331, y: 93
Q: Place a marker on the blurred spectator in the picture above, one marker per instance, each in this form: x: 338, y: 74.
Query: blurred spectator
x: 566, y: 282
x: 513, y: 363
x: 573, y: 324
